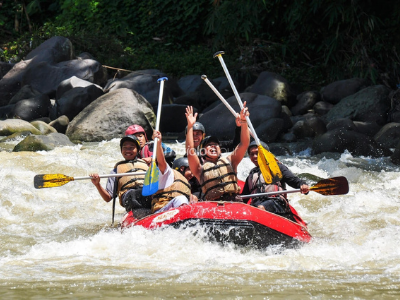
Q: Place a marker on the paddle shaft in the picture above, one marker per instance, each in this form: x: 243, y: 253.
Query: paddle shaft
x: 270, y: 193
x: 110, y: 175
x: 235, y: 114
x: 238, y: 97
x: 160, y: 96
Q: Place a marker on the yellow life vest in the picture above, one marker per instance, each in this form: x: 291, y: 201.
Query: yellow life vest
x: 218, y: 179
x: 180, y: 186
x: 126, y: 183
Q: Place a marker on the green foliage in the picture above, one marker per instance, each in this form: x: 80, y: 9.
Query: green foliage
x: 311, y: 42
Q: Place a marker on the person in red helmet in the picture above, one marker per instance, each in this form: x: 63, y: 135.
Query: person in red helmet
x: 146, y: 147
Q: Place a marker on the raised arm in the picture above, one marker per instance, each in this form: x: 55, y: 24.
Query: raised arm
x: 240, y: 150
x: 162, y: 163
x: 194, y: 162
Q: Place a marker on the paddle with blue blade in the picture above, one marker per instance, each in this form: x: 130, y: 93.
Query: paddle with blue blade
x: 150, y: 185
x: 266, y: 160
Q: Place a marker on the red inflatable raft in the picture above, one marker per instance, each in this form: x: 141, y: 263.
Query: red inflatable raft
x: 230, y: 222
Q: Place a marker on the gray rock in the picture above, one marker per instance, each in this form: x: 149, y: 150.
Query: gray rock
x: 344, y: 123
x: 336, y: 91
x: 31, y: 109
x: 6, y: 111
x: 46, y: 77
x: 60, y: 124
x: 43, y: 142
x: 71, y: 83
x: 219, y: 121
x: 269, y: 130
x: 145, y: 83
x: 339, y: 140
x: 75, y: 100
x: 322, y: 108
x: 305, y: 102
x: 4, y: 68
x: 43, y: 127
x: 275, y: 86
x: 389, y: 135
x: 309, y: 127
x: 367, y: 128
x: 109, y: 115
x: 196, y: 88
x: 11, y: 126
x: 173, y: 118
x: 52, y: 51
x: 395, y: 157
x: 26, y: 92
x: 368, y: 105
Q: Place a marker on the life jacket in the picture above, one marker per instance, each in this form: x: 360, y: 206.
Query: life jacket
x: 257, y: 184
x: 218, y: 179
x: 180, y: 186
x: 126, y: 183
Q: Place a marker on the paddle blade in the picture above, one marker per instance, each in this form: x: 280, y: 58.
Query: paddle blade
x: 151, y: 180
x: 50, y: 180
x: 332, y: 186
x: 268, y: 166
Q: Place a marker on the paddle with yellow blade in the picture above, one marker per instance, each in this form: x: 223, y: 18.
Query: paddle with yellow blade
x: 266, y: 160
x: 53, y: 180
x: 150, y: 185
x: 327, y: 187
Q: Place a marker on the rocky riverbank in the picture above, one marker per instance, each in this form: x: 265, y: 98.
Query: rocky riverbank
x: 54, y: 97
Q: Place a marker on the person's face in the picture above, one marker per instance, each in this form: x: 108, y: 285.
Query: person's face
x: 142, y: 138
x: 213, y: 150
x: 197, y: 137
x: 253, y: 154
x: 129, y: 150
x: 187, y: 173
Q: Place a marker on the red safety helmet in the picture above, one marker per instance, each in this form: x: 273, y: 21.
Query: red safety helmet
x: 131, y: 130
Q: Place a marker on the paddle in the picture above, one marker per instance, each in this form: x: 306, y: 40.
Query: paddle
x: 327, y: 187
x: 150, y: 185
x: 266, y: 160
x: 53, y: 180
x: 228, y: 106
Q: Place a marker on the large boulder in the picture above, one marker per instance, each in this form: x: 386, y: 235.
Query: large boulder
x: 26, y: 92
x: 195, y: 87
x: 75, y: 100
x: 32, y: 109
x: 389, y: 135
x: 173, y: 118
x: 305, y: 102
x: 46, y: 77
x: 368, y: 105
x: 322, y: 108
x: 71, y: 83
x: 336, y: 91
x: 340, y: 139
x: 4, y: 68
x: 11, y: 126
x: 219, y: 121
x: 275, y: 86
x: 269, y: 130
x: 109, y: 115
x: 52, y: 51
x: 43, y: 142
x: 60, y: 124
x: 309, y: 127
x: 145, y: 83
x: 395, y: 157
x: 43, y: 127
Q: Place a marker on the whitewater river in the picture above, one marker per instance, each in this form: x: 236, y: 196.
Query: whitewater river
x: 56, y: 243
